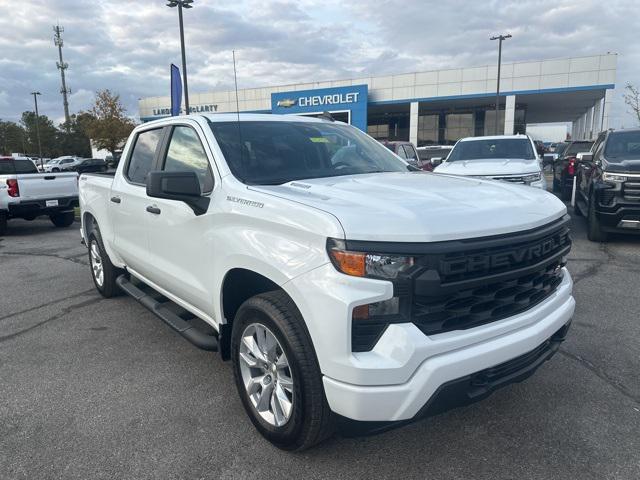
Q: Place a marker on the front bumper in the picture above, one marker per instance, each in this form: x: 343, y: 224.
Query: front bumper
x: 404, y: 370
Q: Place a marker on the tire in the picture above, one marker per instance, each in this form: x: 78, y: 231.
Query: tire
x: 565, y: 191
x: 105, y: 284
x: 310, y: 420
x: 55, y: 169
x: 3, y: 223
x: 594, y: 229
x: 64, y: 219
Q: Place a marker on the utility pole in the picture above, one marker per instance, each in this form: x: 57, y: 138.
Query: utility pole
x: 35, y: 100
x: 500, y: 39
x: 182, y: 4
x: 57, y: 40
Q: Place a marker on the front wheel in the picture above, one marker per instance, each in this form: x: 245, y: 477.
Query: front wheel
x: 594, y: 228
x: 64, y: 219
x: 277, y: 374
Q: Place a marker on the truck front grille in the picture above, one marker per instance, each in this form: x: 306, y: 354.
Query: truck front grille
x: 484, y: 304
x: 631, y: 191
x: 462, y: 284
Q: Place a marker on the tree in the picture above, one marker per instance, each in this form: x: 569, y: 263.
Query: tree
x: 107, y: 125
x: 72, y: 137
x: 48, y: 135
x: 632, y: 99
x: 12, y: 138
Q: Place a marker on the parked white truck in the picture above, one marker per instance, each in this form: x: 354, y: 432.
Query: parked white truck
x: 341, y: 284
x: 25, y: 193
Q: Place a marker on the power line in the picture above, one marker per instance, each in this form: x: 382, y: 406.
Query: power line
x: 62, y: 66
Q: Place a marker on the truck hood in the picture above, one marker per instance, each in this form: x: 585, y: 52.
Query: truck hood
x: 492, y: 166
x: 421, y: 206
x: 623, y: 166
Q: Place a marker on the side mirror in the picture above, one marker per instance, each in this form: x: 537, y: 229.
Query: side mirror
x: 435, y: 161
x: 585, y: 157
x: 180, y: 186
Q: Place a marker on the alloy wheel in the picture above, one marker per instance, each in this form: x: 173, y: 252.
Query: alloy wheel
x: 266, y: 374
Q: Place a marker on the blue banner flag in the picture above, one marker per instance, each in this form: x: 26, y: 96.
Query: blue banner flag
x: 176, y: 90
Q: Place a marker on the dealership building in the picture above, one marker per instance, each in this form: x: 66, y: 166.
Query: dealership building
x: 440, y: 106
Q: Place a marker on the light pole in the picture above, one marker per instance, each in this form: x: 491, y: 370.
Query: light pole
x: 182, y: 4
x: 500, y: 39
x: 35, y: 99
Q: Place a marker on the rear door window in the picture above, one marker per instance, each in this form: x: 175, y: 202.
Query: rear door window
x: 186, y: 153
x: 410, y: 152
x: 25, y: 166
x: 142, y: 156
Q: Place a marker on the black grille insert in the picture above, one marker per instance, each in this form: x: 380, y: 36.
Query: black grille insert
x: 463, y: 284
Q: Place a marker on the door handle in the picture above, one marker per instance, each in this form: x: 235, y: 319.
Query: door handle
x: 154, y: 210
x: 116, y: 199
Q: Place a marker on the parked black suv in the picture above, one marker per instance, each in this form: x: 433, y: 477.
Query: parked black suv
x: 90, y: 165
x: 564, y: 167
x: 608, y: 184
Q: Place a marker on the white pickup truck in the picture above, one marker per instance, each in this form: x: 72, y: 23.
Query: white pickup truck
x: 510, y: 158
x: 25, y: 193
x: 342, y: 284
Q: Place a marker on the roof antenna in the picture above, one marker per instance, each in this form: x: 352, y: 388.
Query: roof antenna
x: 235, y: 79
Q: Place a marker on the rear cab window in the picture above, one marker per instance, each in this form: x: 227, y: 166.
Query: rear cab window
x: 143, y: 155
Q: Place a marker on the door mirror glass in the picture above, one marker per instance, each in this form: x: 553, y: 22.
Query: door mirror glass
x: 435, y: 161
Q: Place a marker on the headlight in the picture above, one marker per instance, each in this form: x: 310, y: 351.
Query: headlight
x: 361, y: 264
x: 612, y: 177
x: 534, y: 177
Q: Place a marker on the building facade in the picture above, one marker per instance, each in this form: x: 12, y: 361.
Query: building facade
x: 437, y: 107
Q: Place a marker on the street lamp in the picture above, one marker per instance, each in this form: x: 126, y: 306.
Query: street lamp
x: 500, y: 39
x: 182, y: 4
x: 35, y: 99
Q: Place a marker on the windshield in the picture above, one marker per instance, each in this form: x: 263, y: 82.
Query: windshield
x: 492, y: 148
x: 578, y: 147
x: 623, y: 146
x: 278, y: 152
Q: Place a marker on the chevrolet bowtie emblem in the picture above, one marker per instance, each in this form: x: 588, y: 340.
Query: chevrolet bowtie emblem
x: 286, y: 103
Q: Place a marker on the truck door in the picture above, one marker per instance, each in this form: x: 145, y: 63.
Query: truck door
x: 128, y: 201
x: 180, y: 242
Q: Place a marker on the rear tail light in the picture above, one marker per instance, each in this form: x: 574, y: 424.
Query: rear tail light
x: 571, y: 168
x: 13, y: 191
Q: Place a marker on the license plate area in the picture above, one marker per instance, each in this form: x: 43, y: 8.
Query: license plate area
x: 51, y: 203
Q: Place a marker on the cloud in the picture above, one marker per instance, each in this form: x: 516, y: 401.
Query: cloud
x: 127, y: 46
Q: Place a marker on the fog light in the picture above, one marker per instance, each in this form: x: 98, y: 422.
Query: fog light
x: 377, y: 309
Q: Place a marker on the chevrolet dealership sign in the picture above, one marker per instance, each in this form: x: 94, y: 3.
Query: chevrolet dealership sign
x: 352, y: 99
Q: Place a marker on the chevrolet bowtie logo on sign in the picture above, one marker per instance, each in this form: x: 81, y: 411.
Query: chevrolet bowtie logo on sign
x: 287, y: 103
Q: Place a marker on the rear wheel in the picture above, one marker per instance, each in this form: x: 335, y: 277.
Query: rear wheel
x: 103, y: 272
x: 594, y: 228
x: 64, y: 219
x: 565, y: 190
x: 277, y: 374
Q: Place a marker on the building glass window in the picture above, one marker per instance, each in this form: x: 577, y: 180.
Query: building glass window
x: 490, y: 122
x: 428, y: 126
x: 379, y: 132
x: 458, y: 125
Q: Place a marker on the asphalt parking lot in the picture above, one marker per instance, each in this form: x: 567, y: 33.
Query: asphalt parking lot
x: 95, y: 388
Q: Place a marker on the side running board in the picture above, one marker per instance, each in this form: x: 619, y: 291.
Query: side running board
x: 176, y: 317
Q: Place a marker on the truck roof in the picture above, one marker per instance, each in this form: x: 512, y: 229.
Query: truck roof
x: 492, y: 137
x: 244, y: 117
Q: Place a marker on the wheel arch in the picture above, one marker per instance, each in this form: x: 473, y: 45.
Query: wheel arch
x: 238, y: 285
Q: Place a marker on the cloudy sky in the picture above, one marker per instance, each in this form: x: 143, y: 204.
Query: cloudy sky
x: 127, y: 46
